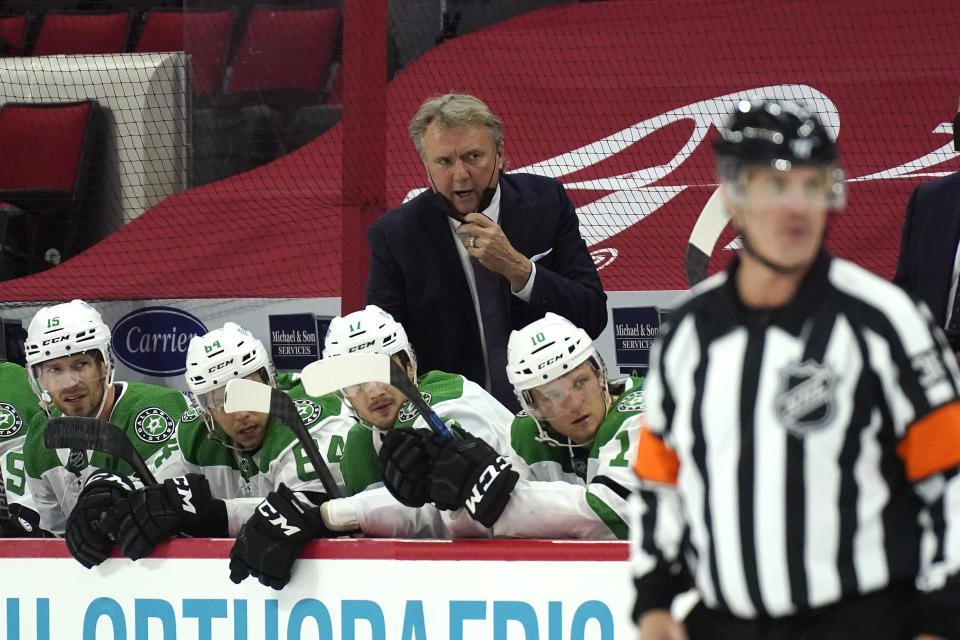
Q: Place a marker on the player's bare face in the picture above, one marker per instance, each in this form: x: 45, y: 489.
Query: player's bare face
x: 461, y: 163
x: 246, y: 428
x: 784, y: 214
x: 76, y: 383
x: 377, y: 403
x: 573, y: 404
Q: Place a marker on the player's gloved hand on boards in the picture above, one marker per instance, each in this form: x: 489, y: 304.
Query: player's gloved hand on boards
x: 22, y: 522
x: 271, y: 540
x: 467, y: 472
x: 405, y: 459
x: 89, y: 534
x: 179, y: 505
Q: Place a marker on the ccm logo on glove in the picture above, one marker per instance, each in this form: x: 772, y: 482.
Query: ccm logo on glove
x: 277, y: 519
x: 487, y: 476
x: 186, y: 495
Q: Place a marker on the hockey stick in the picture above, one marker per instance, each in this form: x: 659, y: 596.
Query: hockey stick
x: 4, y: 507
x: 711, y: 223
x: 249, y: 395
x: 82, y: 433
x: 326, y: 376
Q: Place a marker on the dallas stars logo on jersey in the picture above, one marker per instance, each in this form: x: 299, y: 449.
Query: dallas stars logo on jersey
x: 631, y: 402
x: 10, y: 420
x: 408, y: 412
x: 308, y: 410
x: 153, y: 425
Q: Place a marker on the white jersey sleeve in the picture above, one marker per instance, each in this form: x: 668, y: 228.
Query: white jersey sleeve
x: 379, y: 515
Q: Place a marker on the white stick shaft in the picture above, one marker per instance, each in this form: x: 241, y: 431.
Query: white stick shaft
x: 713, y: 219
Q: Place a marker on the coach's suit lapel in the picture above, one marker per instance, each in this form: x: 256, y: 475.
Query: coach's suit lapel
x: 943, y: 249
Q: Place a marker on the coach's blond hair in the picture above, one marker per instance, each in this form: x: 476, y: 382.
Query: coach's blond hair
x: 454, y: 111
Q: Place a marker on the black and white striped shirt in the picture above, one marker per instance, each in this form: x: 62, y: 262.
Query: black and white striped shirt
x: 798, y: 456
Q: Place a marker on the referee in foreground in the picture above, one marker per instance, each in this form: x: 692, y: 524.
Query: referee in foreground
x: 800, y: 458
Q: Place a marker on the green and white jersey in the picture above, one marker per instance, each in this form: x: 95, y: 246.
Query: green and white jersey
x: 18, y: 405
x: 243, y: 479
x: 452, y: 397
x: 572, y: 493
x: 287, y: 381
x: 145, y: 412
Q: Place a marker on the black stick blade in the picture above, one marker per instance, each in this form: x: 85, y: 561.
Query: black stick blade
x: 83, y: 433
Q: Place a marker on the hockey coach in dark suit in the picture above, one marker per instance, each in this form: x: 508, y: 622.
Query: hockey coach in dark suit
x: 927, y: 266
x: 928, y: 246
x: 479, y: 253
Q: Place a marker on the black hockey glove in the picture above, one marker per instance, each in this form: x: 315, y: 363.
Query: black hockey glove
x: 89, y: 534
x: 22, y: 522
x: 179, y: 505
x: 271, y: 540
x: 405, y: 459
x: 469, y: 473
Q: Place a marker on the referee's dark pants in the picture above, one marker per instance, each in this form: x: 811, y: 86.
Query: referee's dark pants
x: 884, y: 615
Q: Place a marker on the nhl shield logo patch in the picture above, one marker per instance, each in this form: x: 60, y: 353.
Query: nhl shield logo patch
x: 806, y: 398
x: 10, y: 420
x: 153, y: 425
x: 77, y: 460
x: 191, y: 414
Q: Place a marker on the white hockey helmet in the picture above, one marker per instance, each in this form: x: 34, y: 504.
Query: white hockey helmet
x: 546, y: 350
x: 370, y: 330
x: 219, y: 356
x: 64, y: 330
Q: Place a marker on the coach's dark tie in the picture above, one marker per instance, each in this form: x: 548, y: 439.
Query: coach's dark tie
x: 495, y: 318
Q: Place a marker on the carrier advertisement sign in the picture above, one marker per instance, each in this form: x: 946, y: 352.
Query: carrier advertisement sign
x: 154, y: 340
x: 356, y: 598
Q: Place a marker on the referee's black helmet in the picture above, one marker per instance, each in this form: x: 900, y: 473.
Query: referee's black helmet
x: 780, y: 134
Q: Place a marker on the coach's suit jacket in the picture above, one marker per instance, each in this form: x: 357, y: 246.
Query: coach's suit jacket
x: 928, y: 245
x: 416, y: 273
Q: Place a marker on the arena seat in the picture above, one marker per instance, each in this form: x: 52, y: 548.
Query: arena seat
x: 47, y: 171
x: 205, y: 35
x: 13, y: 32
x: 282, y: 48
x: 231, y: 139
x: 67, y: 33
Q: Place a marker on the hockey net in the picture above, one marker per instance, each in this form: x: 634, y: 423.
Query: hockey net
x: 231, y: 175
